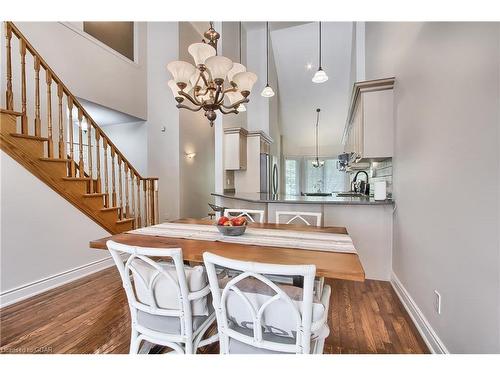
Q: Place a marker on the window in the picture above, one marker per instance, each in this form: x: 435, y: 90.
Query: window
x: 292, y: 177
x: 301, y: 176
x: 116, y: 35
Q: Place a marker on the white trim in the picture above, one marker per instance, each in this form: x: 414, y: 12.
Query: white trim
x: 28, y: 290
x: 135, y: 63
x: 428, y: 334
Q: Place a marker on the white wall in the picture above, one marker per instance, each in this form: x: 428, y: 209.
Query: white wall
x: 197, y: 175
x: 43, y: 237
x: 90, y: 70
x: 132, y: 140
x: 258, y: 107
x: 446, y: 172
x: 163, y: 146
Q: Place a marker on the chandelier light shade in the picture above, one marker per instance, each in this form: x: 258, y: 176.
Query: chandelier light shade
x: 201, y: 52
x: 235, y: 97
x: 316, y: 163
x: 175, y: 89
x: 267, y: 92
x: 245, y: 81
x: 237, y: 68
x: 218, y: 66
x: 211, y: 80
x: 181, y: 71
x: 320, y: 76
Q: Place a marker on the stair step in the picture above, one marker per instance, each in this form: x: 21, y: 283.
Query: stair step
x: 26, y: 136
x: 110, y: 209
x: 10, y: 112
x: 76, y: 178
x: 127, y: 220
x: 92, y: 195
x: 56, y: 160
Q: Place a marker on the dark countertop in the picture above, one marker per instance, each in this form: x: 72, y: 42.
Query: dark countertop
x: 294, y: 199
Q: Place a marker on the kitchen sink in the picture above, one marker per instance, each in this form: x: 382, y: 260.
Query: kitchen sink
x: 350, y: 194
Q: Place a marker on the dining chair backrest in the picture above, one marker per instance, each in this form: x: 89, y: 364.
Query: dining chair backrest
x: 147, y: 275
x: 293, y: 217
x: 252, y: 215
x: 255, y: 312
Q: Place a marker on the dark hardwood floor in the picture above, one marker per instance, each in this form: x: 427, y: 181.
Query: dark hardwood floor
x: 91, y: 315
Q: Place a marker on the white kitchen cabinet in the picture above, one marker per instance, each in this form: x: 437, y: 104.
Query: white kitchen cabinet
x: 369, y: 132
x: 235, y: 149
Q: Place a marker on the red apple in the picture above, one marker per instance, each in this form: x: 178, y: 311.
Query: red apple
x: 222, y: 220
x: 228, y: 223
x: 239, y: 221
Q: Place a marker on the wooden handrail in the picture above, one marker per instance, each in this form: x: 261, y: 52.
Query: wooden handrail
x: 129, y: 198
x: 68, y: 93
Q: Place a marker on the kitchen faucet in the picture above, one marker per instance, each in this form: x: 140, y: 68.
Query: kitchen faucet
x: 355, y: 179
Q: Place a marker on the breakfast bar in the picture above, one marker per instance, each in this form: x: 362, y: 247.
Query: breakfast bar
x: 368, y: 221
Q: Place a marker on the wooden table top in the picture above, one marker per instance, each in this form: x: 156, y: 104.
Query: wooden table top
x: 328, y: 264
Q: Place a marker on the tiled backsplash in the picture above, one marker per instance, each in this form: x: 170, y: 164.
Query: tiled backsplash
x: 378, y: 171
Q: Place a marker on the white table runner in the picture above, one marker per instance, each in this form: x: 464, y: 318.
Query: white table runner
x: 255, y: 236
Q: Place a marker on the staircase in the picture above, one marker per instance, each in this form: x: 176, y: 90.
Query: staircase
x: 54, y: 138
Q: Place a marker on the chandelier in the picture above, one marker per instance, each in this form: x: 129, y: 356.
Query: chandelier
x: 316, y: 163
x: 213, y: 83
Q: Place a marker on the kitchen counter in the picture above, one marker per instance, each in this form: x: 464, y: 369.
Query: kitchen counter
x: 368, y: 222
x: 294, y: 199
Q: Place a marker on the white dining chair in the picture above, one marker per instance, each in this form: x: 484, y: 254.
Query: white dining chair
x: 168, y: 301
x: 258, y: 316
x: 250, y: 214
x: 290, y: 217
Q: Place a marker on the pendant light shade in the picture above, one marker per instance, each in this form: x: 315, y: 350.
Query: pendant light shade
x: 181, y: 71
x: 201, y: 52
x: 320, y: 76
x: 267, y: 92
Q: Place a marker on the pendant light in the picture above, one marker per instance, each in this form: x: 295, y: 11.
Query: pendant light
x: 320, y: 76
x: 268, y: 91
x: 316, y: 163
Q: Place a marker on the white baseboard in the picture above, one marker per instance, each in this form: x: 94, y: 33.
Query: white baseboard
x: 428, y: 334
x: 36, y: 287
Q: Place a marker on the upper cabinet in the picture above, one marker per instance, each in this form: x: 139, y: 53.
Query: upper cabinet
x: 235, y: 149
x: 369, y: 131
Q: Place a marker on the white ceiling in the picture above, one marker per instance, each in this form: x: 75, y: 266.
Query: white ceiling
x: 294, y: 48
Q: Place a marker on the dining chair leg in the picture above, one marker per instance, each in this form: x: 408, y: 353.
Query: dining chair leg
x: 188, y: 348
x: 135, y: 342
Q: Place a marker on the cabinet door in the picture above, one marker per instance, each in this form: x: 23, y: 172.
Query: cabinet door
x: 232, y: 152
x: 378, y: 124
x: 357, y: 130
x: 243, y: 152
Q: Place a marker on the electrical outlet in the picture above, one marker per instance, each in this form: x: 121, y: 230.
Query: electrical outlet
x: 437, y: 302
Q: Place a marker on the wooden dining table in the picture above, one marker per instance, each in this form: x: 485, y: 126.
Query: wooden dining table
x: 336, y: 265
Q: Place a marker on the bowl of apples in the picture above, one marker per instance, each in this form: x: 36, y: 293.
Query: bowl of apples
x: 232, y: 227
